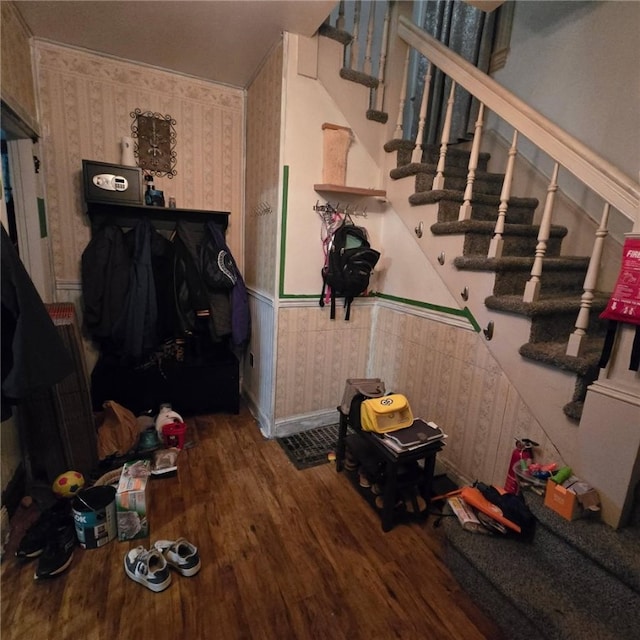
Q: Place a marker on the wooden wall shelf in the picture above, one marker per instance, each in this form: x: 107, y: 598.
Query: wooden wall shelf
x: 358, y: 191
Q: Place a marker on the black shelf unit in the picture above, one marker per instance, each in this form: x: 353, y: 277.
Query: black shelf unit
x: 127, y: 215
x: 403, y: 476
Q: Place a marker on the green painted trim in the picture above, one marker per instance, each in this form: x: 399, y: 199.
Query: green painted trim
x: 464, y: 313
x: 42, y: 216
x: 283, y: 230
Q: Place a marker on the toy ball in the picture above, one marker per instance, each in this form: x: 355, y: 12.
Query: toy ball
x: 67, y: 484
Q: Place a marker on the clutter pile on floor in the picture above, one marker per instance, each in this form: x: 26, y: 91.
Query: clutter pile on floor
x: 114, y: 506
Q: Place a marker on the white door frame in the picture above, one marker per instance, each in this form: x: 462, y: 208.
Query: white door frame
x: 34, y: 250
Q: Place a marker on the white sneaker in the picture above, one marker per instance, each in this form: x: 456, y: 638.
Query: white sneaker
x: 181, y: 555
x: 149, y: 568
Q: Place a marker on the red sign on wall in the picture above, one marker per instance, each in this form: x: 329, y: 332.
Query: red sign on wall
x: 624, y: 304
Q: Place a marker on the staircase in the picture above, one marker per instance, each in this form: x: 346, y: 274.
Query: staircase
x: 552, y: 315
x: 574, y: 580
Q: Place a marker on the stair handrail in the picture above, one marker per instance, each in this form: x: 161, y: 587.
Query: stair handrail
x: 603, y: 178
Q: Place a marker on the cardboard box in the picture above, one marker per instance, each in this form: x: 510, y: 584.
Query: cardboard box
x: 132, y: 500
x: 572, y: 499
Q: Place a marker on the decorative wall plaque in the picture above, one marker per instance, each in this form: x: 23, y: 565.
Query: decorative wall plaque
x: 155, y: 136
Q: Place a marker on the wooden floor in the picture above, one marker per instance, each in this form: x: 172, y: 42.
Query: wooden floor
x: 286, y: 554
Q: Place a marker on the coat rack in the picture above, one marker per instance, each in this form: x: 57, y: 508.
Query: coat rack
x: 329, y: 212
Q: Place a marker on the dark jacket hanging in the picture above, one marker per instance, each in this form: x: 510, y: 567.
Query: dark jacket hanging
x: 136, y: 329
x: 33, y: 354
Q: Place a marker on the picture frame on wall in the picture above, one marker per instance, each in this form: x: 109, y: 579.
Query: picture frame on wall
x: 155, y: 137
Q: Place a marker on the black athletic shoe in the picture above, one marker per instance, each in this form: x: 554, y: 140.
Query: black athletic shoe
x: 37, y: 535
x: 57, y: 553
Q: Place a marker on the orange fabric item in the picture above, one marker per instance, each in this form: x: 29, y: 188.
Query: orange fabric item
x: 472, y: 496
x: 118, y: 432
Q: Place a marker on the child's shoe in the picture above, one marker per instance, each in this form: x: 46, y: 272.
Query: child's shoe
x: 181, y: 555
x: 149, y: 568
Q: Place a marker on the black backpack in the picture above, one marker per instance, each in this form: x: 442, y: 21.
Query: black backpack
x: 350, y: 261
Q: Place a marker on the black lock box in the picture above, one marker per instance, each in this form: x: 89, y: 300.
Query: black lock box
x: 112, y: 183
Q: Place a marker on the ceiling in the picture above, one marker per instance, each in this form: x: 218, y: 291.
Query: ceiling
x: 216, y: 40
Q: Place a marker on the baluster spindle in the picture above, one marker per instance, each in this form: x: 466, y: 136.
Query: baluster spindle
x: 532, y: 288
x: 438, y: 181
x: 383, y: 62
x: 403, y: 97
x: 576, y: 343
x: 353, y: 59
x: 465, y: 207
x: 495, y: 248
x: 367, y: 64
x: 340, y: 19
x: 418, y: 149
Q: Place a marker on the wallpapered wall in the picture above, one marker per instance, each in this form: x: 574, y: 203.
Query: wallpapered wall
x: 17, y: 77
x: 85, y: 105
x: 450, y: 377
x: 264, y: 100
x: 316, y: 355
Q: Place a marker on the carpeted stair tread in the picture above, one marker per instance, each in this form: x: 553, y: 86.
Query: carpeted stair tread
x: 435, y: 195
x: 534, y: 587
x: 554, y: 354
x: 359, y: 77
x: 399, y: 144
x: 487, y: 227
x: 545, y: 305
x: 573, y: 409
x: 614, y: 550
x: 339, y: 35
x: 418, y: 168
x: 455, y: 157
x: 513, y: 263
x: 377, y: 116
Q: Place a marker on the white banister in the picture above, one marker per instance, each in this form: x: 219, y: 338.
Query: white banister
x: 497, y: 242
x: 438, y: 181
x: 367, y: 64
x: 465, y: 207
x: 532, y: 288
x: 340, y: 20
x: 577, y: 338
x: 383, y: 62
x: 603, y: 178
x: 353, y: 52
x: 418, y: 149
x: 403, y: 93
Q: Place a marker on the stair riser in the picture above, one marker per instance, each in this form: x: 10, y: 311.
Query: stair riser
x: 449, y: 210
x: 478, y: 244
x: 560, y: 326
x: 424, y: 182
x: 454, y: 158
x: 511, y: 619
x: 459, y: 159
x: 559, y: 282
x: 573, y: 615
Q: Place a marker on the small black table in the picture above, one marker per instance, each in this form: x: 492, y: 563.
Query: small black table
x: 393, y: 461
